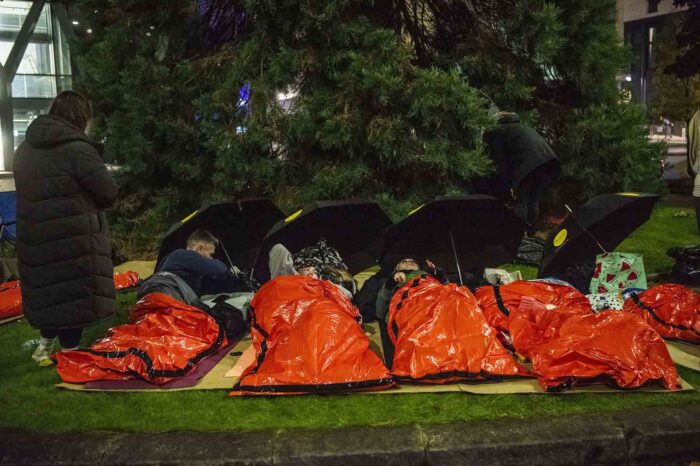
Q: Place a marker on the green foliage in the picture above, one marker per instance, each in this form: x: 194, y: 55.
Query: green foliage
x: 675, y: 97
x: 365, y: 122
x: 605, y: 149
x: 134, y: 66
x: 387, y: 99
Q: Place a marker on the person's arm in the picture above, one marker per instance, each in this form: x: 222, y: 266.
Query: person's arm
x: 281, y: 261
x: 200, y: 265
x: 436, y: 272
x: 93, y: 176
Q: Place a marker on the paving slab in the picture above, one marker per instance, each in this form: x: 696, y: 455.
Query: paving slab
x: 662, y: 435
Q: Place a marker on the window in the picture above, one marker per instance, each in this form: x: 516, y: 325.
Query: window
x: 45, y: 69
x: 653, y: 6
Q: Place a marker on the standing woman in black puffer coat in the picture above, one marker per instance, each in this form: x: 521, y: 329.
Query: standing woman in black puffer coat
x: 63, y: 243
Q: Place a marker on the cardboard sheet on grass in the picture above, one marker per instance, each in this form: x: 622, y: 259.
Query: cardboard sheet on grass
x: 684, y: 354
x: 227, y: 373
x: 214, y: 380
x: 503, y: 387
x: 143, y: 268
x: 10, y: 319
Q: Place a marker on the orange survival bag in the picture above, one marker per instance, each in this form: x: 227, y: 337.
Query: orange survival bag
x: 672, y: 310
x: 440, y: 335
x: 567, y: 347
x: 165, y: 340
x: 308, y: 339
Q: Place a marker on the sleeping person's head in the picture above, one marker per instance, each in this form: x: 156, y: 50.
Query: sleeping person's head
x: 308, y: 271
x: 407, y: 263
x: 202, y: 242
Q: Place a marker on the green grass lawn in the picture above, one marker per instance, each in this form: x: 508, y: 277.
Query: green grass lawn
x: 28, y: 399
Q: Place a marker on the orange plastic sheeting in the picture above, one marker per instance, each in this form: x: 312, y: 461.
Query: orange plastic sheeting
x: 672, y: 310
x: 440, y: 335
x: 498, y: 301
x: 10, y: 300
x: 566, y: 347
x: 126, y: 280
x: 308, y: 339
x: 164, y: 340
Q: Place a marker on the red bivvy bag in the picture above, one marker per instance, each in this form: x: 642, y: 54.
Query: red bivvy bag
x: 308, y: 339
x: 10, y: 300
x: 497, y: 302
x: 125, y: 280
x: 440, y: 335
x: 672, y: 310
x: 165, y: 340
x: 11, y: 295
x: 568, y: 347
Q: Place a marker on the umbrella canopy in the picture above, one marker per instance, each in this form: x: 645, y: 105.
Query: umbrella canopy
x: 602, y: 222
x: 470, y: 231
x: 240, y: 226
x: 349, y: 226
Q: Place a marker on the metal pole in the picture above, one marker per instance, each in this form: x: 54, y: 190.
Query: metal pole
x: 6, y: 120
x: 7, y: 74
x: 454, y: 251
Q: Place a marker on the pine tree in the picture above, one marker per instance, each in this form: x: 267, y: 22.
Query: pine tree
x: 675, y: 97
x: 382, y: 100
x: 365, y: 120
x: 135, y: 65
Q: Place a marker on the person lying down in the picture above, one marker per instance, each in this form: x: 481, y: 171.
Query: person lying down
x: 282, y: 263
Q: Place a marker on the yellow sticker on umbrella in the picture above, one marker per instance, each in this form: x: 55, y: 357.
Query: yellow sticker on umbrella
x: 189, y: 216
x: 293, y: 216
x: 560, y: 238
x: 629, y: 194
x: 416, y: 209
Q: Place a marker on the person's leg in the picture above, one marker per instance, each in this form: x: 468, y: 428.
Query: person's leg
x: 533, y: 208
x: 70, y: 338
x: 525, y: 194
x: 387, y: 345
x: 43, y: 351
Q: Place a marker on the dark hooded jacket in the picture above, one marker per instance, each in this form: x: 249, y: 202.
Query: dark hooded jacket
x: 517, y: 151
x: 63, y: 243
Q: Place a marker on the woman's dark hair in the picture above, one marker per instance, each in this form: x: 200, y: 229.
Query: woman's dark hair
x: 73, y: 107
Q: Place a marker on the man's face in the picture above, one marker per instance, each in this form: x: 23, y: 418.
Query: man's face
x: 309, y: 272
x: 407, y: 264
x: 205, y: 249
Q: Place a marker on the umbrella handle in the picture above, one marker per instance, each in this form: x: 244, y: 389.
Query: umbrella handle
x: 454, y: 251
x: 585, y: 229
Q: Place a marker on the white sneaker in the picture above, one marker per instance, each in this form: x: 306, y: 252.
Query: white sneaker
x: 42, y: 355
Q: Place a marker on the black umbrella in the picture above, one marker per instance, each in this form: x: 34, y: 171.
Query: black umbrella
x: 473, y: 231
x: 240, y: 226
x: 349, y: 226
x: 599, y: 225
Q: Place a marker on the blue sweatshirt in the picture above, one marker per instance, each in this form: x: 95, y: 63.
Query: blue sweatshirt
x: 192, y: 267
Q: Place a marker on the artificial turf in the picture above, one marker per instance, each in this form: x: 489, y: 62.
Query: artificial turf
x: 28, y: 399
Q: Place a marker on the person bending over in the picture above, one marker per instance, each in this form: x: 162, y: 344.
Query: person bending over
x: 526, y: 166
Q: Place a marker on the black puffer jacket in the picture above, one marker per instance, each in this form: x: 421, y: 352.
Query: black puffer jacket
x: 63, y: 243
x: 517, y: 150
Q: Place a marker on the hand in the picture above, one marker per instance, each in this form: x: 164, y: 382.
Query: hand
x: 400, y: 277
x: 431, y: 265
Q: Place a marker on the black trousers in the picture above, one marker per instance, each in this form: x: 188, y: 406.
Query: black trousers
x: 69, y: 338
x: 529, y: 192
